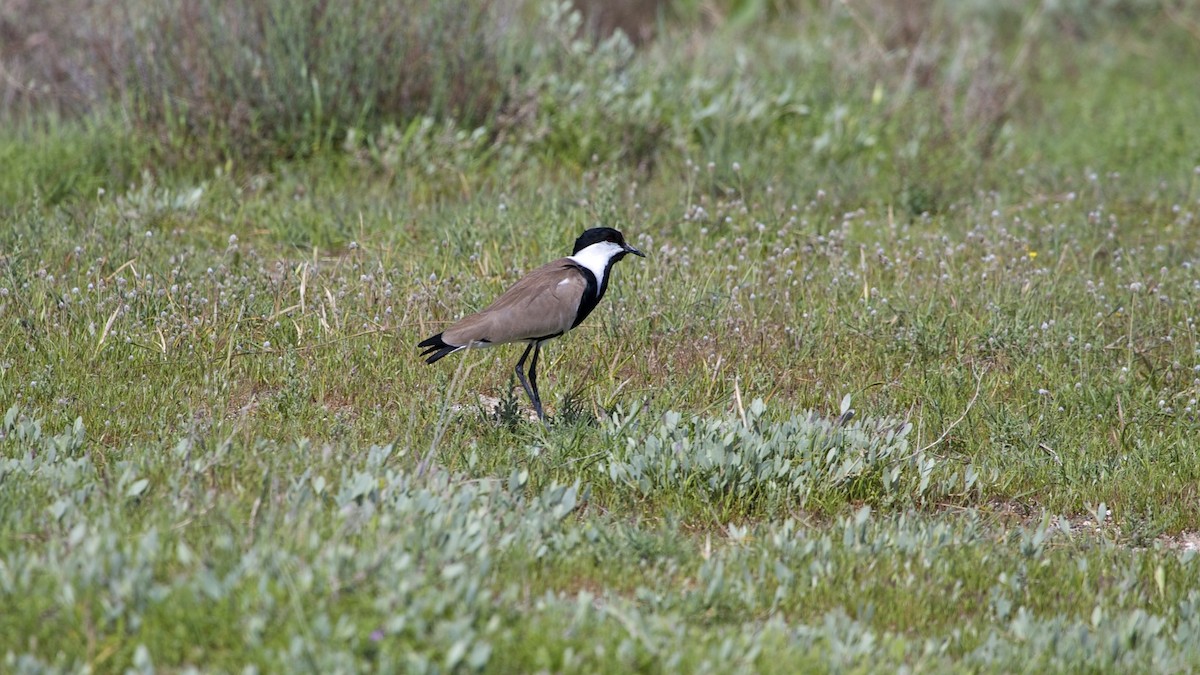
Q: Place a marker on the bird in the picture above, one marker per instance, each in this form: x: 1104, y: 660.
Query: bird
x: 542, y: 305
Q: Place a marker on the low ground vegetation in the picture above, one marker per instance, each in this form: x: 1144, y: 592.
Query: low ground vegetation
x: 908, y: 379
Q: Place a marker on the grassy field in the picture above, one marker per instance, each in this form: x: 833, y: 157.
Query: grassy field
x: 975, y: 224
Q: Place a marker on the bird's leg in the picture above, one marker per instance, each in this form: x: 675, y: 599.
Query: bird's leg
x: 537, y: 400
x: 520, y: 369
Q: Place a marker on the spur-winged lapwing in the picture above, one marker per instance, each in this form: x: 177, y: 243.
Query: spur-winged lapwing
x: 546, y: 303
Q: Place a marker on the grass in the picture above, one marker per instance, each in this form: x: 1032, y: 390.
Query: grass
x: 221, y: 449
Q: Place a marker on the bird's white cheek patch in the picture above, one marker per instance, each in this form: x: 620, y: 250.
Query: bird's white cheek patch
x: 564, y: 282
x: 596, y: 257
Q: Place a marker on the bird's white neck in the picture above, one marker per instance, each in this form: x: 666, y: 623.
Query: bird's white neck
x: 596, y: 258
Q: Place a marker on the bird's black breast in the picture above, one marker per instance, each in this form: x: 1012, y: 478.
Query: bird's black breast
x: 591, y: 296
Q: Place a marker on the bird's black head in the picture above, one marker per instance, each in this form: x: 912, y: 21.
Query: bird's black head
x: 598, y: 235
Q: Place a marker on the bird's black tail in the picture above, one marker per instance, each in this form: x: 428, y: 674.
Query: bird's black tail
x: 436, y: 348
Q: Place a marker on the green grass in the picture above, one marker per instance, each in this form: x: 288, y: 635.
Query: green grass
x: 222, y: 449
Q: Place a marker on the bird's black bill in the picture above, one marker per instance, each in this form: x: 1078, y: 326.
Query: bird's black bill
x: 630, y: 249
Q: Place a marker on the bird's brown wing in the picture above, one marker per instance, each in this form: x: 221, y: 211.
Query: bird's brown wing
x: 543, y: 303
